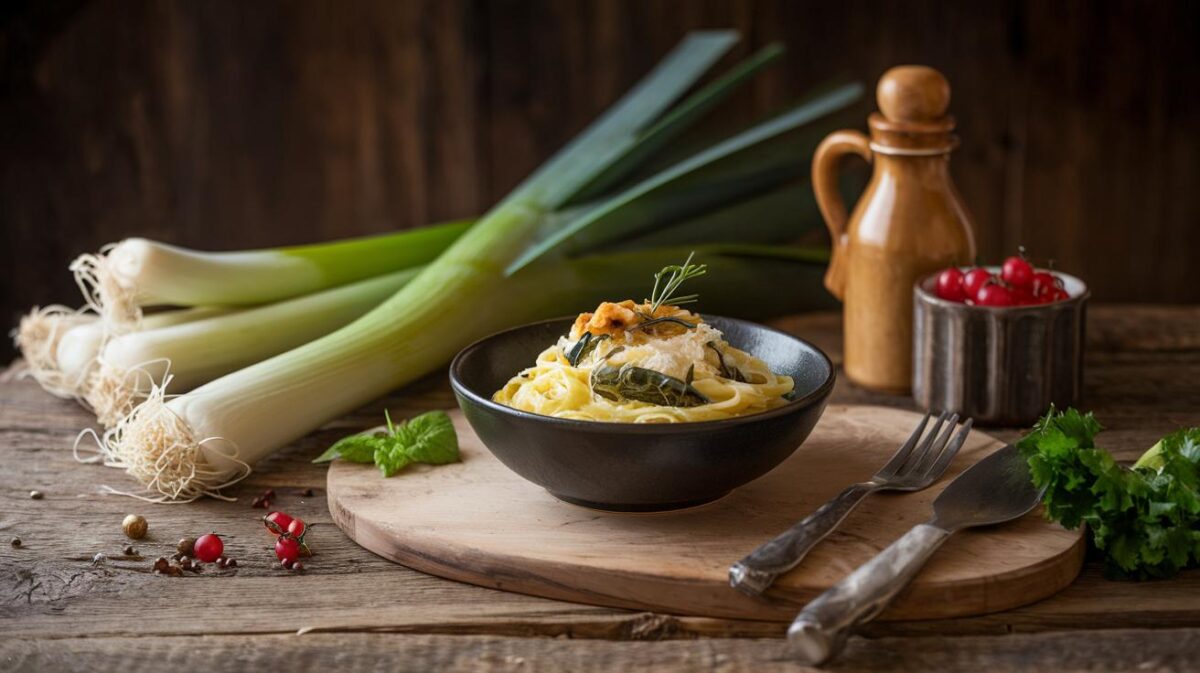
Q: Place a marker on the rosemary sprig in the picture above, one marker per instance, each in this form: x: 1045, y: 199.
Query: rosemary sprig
x: 675, y: 275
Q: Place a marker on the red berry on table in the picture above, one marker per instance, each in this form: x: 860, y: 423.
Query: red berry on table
x: 975, y: 279
x: 287, y: 549
x: 1016, y: 272
x: 994, y: 294
x: 277, y: 522
x: 296, y: 528
x: 950, y: 285
x: 209, y: 547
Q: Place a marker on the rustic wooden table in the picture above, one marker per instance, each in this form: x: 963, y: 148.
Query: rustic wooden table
x: 353, y: 610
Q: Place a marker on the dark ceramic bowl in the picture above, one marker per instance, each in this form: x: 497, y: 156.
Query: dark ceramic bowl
x: 639, y: 467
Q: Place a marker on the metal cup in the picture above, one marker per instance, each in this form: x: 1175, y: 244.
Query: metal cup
x: 1000, y: 366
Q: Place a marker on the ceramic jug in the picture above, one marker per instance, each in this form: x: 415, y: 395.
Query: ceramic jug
x: 909, y: 222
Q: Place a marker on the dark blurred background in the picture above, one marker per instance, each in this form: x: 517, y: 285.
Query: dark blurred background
x: 224, y: 124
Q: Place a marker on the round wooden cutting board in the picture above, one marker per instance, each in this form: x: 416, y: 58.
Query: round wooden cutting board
x: 478, y: 522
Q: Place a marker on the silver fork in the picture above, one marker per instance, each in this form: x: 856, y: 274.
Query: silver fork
x: 917, y: 464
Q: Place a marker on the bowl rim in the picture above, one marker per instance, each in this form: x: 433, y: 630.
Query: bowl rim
x: 930, y: 297
x: 822, y: 391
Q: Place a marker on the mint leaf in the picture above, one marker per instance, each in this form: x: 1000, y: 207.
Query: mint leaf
x: 430, y: 438
x: 427, y: 438
x: 390, y: 457
x: 355, y: 448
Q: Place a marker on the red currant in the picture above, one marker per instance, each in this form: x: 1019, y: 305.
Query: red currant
x: 277, y: 522
x: 287, y: 549
x: 209, y: 547
x: 1059, y: 294
x: 994, y: 294
x: 974, y: 280
x: 1023, y: 296
x: 296, y: 528
x: 1016, y: 272
x: 1044, y: 284
x: 950, y: 285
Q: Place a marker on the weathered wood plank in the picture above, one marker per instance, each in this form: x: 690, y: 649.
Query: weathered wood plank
x: 1116, y: 650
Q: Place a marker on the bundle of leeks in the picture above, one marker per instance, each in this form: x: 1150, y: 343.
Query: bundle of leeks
x: 267, y: 345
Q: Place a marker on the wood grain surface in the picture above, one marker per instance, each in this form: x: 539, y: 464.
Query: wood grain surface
x: 478, y: 522
x: 226, y: 124
x: 362, y: 612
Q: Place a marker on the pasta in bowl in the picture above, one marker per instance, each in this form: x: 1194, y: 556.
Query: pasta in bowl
x: 642, y: 406
x: 631, y: 363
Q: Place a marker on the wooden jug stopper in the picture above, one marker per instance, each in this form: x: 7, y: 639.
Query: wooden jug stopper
x: 913, y: 100
x: 913, y: 93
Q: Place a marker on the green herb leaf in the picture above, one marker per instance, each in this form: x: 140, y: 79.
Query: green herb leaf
x: 428, y: 438
x: 355, y: 448
x: 664, y: 291
x: 1145, y: 520
x: 645, y: 385
x: 586, y: 344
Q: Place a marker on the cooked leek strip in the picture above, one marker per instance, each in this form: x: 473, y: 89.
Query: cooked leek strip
x: 138, y: 272
x: 195, y: 352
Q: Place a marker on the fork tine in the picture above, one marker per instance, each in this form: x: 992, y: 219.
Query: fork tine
x: 898, y: 467
x: 947, y: 456
x: 921, y: 465
x: 905, y: 449
x: 923, y: 448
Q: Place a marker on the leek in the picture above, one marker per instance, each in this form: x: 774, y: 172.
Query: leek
x: 196, y: 443
x: 59, y: 344
x: 195, y: 352
x: 80, y: 347
x: 37, y: 337
x: 138, y: 272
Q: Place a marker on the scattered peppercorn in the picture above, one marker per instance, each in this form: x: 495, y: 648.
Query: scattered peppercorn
x: 185, y: 563
x: 161, y: 565
x: 186, y: 546
x: 174, y: 571
x: 196, y: 567
x: 36, y: 495
x: 263, y: 501
x: 298, y: 567
x: 231, y: 563
x: 135, y: 526
x: 130, y: 551
x: 307, y: 493
x: 16, y: 542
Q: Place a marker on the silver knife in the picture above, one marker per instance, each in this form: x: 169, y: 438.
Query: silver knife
x: 994, y: 490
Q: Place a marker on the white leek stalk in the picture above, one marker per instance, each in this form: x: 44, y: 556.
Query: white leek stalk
x: 138, y: 272
x: 190, y: 354
x: 37, y: 337
x: 79, y: 348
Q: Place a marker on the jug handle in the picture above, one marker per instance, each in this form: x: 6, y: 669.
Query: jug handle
x: 829, y: 199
